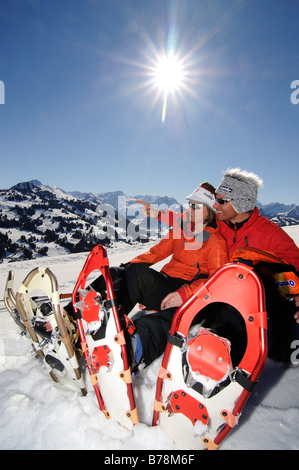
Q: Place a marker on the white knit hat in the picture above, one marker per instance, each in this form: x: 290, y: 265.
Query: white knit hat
x: 203, y: 196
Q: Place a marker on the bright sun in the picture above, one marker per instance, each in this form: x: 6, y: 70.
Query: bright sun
x: 169, y: 73
x: 169, y: 77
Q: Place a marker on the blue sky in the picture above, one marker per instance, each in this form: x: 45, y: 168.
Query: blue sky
x: 81, y: 110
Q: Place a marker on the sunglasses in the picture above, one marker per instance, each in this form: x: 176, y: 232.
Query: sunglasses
x: 222, y: 201
x: 194, y: 206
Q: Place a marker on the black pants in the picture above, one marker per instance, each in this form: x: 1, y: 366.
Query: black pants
x: 153, y: 330
x: 138, y: 283
x: 222, y: 319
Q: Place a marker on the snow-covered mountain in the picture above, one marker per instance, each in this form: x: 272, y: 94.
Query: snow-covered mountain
x: 282, y: 214
x: 38, y: 220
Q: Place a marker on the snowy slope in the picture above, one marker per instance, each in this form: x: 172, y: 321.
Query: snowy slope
x: 36, y: 414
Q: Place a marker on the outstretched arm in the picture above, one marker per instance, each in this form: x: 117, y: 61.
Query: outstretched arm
x: 149, y: 210
x: 165, y: 216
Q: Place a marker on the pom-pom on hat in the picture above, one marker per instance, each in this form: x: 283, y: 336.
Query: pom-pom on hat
x: 240, y: 187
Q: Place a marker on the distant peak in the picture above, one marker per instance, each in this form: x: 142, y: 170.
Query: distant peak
x: 35, y: 183
x: 27, y: 185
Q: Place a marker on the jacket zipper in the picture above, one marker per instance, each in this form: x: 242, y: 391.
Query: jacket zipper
x: 235, y: 229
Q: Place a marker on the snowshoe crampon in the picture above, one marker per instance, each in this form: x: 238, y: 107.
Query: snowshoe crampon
x: 41, y: 317
x: 103, y: 342
x: 199, y: 393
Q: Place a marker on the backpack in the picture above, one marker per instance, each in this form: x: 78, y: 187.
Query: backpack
x: 284, y: 275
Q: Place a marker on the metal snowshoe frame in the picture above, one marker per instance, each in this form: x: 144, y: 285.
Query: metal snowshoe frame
x: 42, y: 279
x: 97, y: 260
x: 10, y: 302
x: 9, y: 294
x: 239, y: 286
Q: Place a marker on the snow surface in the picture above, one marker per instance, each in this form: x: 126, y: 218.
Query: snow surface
x: 36, y: 413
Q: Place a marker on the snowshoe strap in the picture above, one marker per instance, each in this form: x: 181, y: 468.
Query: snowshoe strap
x: 110, y: 303
x: 244, y: 381
x: 129, y: 325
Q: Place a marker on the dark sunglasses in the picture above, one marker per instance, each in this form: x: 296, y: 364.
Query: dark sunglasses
x: 222, y: 201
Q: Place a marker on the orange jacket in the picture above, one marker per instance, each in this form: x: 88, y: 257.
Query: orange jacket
x: 192, y: 260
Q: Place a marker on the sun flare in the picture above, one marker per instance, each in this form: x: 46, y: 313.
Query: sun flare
x: 169, y: 73
x: 168, y: 77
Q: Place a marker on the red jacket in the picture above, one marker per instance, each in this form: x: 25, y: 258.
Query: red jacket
x: 190, y: 258
x: 259, y: 232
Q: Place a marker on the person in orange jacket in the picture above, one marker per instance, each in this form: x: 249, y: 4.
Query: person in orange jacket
x: 197, y: 250
x: 195, y: 256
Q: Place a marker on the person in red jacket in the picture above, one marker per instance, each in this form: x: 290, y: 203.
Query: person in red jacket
x: 240, y: 222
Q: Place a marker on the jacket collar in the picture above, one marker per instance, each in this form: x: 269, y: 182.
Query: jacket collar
x: 247, y: 222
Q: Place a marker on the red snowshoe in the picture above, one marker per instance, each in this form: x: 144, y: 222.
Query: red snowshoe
x: 199, y: 394
x: 103, y: 342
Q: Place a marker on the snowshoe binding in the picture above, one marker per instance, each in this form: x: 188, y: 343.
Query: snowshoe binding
x: 103, y: 342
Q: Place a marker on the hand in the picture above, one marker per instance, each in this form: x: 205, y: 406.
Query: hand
x: 297, y: 305
x: 171, y: 300
x: 148, y: 210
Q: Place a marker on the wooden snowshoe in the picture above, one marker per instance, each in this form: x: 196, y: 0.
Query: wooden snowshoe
x: 199, y: 394
x: 103, y: 342
x: 36, y: 309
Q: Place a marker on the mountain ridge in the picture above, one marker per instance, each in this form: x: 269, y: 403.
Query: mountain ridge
x: 38, y: 220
